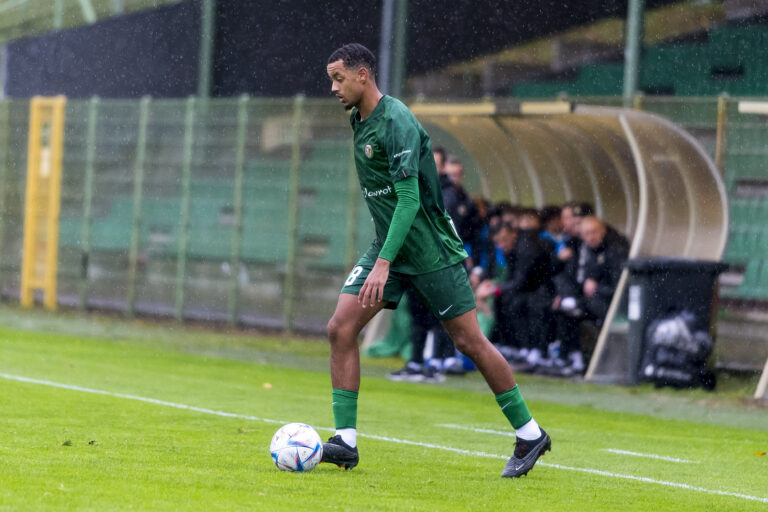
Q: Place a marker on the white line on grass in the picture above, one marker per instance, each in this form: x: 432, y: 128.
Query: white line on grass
x: 650, y: 456
x: 508, y: 433
x: 203, y: 410
x: 478, y: 430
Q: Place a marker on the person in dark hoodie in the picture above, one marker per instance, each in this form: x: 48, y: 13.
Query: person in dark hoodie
x: 523, y: 297
x: 462, y: 208
x: 606, y: 251
x: 565, y: 351
x: 599, y: 261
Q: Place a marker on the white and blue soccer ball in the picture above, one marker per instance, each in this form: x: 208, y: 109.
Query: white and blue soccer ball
x: 296, y: 447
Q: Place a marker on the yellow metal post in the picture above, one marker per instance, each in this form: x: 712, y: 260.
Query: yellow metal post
x: 43, y: 199
x: 722, y: 126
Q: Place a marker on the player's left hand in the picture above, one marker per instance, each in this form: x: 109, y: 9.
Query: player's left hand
x: 373, y: 287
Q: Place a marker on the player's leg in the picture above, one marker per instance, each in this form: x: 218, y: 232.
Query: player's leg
x: 343, y: 331
x: 470, y: 341
x: 532, y: 442
x: 448, y: 293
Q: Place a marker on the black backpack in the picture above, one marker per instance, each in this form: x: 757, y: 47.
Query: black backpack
x: 676, y: 354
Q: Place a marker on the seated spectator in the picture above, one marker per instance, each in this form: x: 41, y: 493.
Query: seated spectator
x: 523, y: 297
x: 565, y: 263
x: 484, y: 251
x: 460, y: 206
x: 571, y: 215
x: 510, y: 214
x: 528, y: 220
x: 552, y: 226
x: 585, y: 289
x: 494, y: 259
x: 606, y: 252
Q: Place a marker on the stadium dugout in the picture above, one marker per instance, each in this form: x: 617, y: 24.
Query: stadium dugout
x: 646, y: 176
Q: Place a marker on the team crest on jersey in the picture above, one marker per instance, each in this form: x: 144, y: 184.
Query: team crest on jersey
x: 369, y: 151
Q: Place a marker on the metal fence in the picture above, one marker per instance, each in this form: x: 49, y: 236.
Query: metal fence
x: 240, y: 210
x: 247, y: 210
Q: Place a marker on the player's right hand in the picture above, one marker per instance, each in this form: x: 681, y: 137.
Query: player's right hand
x: 372, y: 290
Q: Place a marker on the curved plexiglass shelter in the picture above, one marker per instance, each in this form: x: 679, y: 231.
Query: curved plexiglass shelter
x: 647, y: 177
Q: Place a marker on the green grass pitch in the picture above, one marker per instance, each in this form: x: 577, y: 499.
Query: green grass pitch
x: 101, y: 414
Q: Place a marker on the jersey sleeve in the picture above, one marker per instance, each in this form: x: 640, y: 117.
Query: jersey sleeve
x: 402, y: 142
x: 402, y: 219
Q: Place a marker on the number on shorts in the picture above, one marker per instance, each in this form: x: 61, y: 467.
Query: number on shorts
x: 353, y: 275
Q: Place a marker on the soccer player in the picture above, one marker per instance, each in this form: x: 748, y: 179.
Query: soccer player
x: 416, y: 247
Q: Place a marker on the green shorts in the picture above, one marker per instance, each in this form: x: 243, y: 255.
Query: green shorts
x: 446, y: 292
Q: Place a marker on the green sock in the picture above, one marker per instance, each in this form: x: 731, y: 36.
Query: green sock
x: 344, y: 408
x: 514, y: 408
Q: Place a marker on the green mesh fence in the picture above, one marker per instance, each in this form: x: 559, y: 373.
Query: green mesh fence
x: 194, y: 219
x: 247, y: 210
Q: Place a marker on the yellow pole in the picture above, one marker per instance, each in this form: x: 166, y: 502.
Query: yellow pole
x: 30, y: 205
x: 43, y: 199
x: 722, y: 125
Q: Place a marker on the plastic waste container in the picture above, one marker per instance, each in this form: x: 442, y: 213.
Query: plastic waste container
x: 676, y: 298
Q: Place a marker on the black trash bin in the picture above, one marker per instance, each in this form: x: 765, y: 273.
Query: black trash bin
x: 676, y: 291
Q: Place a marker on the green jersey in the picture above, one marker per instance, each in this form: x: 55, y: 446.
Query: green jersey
x: 391, y: 145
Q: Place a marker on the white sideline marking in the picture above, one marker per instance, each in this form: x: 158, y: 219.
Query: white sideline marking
x: 175, y: 405
x: 650, y: 456
x: 611, y: 450
x: 478, y: 430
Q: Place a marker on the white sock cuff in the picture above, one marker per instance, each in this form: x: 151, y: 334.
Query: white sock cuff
x: 348, y: 435
x: 529, y: 431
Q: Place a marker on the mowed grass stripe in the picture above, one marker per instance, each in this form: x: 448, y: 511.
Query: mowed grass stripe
x: 461, y: 451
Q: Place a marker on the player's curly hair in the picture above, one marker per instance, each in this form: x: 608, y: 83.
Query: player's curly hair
x: 355, y: 55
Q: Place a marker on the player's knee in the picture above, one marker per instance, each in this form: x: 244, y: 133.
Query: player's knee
x: 338, y: 331
x: 466, y: 345
x: 333, y: 328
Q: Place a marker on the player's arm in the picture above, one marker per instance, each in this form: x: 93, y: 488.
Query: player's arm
x: 408, y: 204
x: 402, y: 142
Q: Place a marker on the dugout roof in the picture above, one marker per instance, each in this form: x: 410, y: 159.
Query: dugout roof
x: 646, y: 176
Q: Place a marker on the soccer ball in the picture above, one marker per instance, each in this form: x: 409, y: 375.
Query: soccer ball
x: 296, y: 447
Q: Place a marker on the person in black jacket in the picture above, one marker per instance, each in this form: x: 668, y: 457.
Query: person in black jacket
x: 585, y: 291
x: 565, y: 351
x: 523, y: 298
x: 462, y: 208
x: 606, y: 252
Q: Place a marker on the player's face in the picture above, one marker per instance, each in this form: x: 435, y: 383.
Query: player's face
x: 346, y: 83
x: 505, y: 240
x: 592, y: 232
x: 530, y: 222
x: 454, y: 171
x: 570, y: 222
